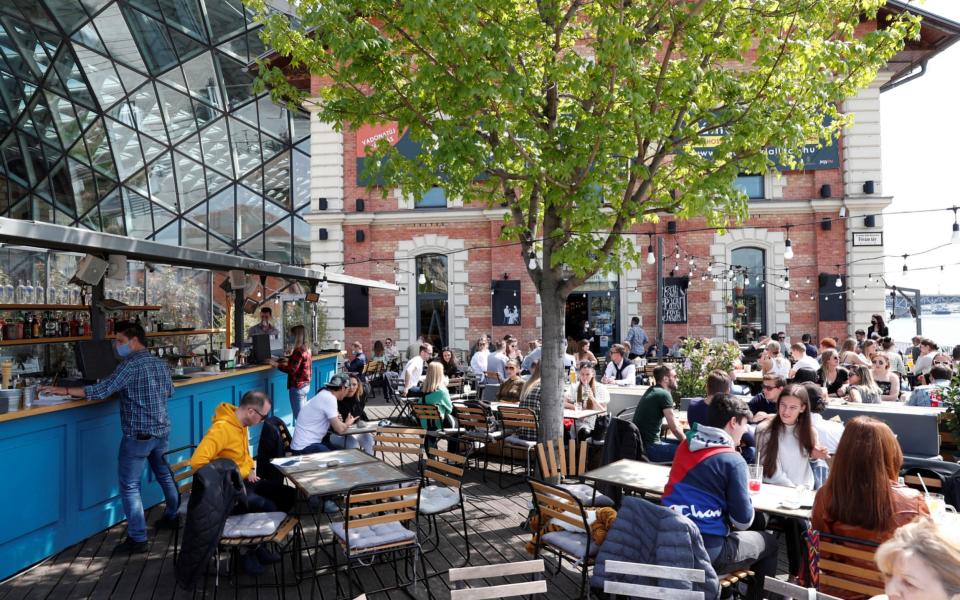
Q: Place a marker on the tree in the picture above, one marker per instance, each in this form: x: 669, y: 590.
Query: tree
x: 584, y: 118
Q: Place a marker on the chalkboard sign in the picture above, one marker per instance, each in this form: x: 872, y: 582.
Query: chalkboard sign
x: 675, y: 299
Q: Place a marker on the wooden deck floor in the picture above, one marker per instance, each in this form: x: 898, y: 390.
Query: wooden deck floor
x: 90, y: 569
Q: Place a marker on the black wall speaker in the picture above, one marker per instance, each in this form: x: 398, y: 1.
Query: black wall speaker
x: 826, y: 191
x: 360, y: 205
x: 322, y: 234
x: 826, y: 224
x: 322, y: 204
x: 360, y: 235
x: 671, y: 226
x: 868, y: 187
x: 869, y: 221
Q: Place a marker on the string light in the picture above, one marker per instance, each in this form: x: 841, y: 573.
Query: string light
x: 532, y: 263
x: 905, y: 262
x: 839, y: 281
x: 422, y: 279
x: 788, y: 246
x: 955, y: 236
x: 650, y: 257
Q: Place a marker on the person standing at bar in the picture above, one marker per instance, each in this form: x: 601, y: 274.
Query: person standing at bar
x: 265, y: 326
x: 143, y: 384
x: 298, y: 367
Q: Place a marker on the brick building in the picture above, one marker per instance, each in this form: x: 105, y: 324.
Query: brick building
x: 469, y: 274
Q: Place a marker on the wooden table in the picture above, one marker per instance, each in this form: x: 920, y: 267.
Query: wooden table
x: 646, y: 477
x: 313, y: 477
x: 749, y: 376
x: 569, y: 413
x: 361, y: 427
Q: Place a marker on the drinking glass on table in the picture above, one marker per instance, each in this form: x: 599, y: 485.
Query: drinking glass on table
x: 754, y: 478
x: 937, y: 505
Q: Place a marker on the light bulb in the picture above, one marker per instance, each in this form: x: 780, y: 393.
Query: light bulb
x: 955, y: 236
x: 532, y: 264
x: 422, y: 279
x: 788, y: 250
x: 786, y: 283
x: 746, y: 281
x: 650, y: 257
x: 838, y: 282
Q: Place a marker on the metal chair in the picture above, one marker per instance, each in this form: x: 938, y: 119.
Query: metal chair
x: 378, y: 524
x: 566, y: 467
x: 474, y: 432
x: 555, y: 504
x: 636, y: 590
x: 442, y: 492
x: 461, y: 576
x: 512, y: 419
x: 430, y: 418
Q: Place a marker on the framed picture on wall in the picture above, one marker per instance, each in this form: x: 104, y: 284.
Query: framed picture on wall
x: 505, y: 302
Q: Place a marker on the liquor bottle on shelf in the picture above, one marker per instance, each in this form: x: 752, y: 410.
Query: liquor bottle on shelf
x: 38, y: 293
x: 9, y: 291
x: 21, y: 328
x: 51, y: 325
x: 74, y: 325
x: 27, y: 327
x: 28, y: 293
x: 109, y: 325
x: 87, y: 330
x: 35, y: 327
x: 21, y: 292
x: 64, y: 325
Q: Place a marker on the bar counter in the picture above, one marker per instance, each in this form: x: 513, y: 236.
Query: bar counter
x: 60, y: 461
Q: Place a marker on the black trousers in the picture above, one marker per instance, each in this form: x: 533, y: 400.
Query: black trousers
x: 267, y: 496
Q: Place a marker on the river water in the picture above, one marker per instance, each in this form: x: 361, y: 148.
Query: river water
x: 943, y: 329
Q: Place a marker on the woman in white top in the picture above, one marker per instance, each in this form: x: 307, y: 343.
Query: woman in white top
x: 772, y: 363
x: 787, y: 442
x: 885, y: 378
x: 478, y: 363
x: 861, y: 387
x: 586, y: 394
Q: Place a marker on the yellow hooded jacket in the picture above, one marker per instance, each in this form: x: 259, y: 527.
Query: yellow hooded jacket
x: 226, y: 438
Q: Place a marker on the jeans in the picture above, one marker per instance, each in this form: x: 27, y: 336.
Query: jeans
x: 313, y: 448
x: 661, y: 451
x: 298, y: 397
x: 756, y: 550
x: 364, y: 441
x: 133, y: 453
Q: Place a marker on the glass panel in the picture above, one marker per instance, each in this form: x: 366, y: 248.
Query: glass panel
x: 117, y: 37
x: 178, y: 113
x: 245, y: 142
x: 273, y: 213
x: 126, y: 148
x: 162, y: 218
x: 276, y: 180
x: 192, y: 236
x: 751, y: 185
x: 200, y: 75
x: 99, y: 149
x: 88, y: 36
x: 246, y: 47
x: 221, y: 210
x: 154, y: 42
x: 185, y: 13
x: 103, y: 78
x: 111, y: 214
x: 226, y: 18
x: 432, y: 321
x: 249, y: 213
x: 91, y: 220
x: 273, y: 119
x: 143, y: 113
x: 136, y: 212
x: 186, y: 46
x: 169, y: 234
x: 254, y: 247
x: 163, y: 188
x: 73, y: 187
x: 64, y: 118
x: 17, y: 42
x: 301, y: 241
x: 191, y: 147
x: 434, y: 269
x: 151, y: 147
x: 67, y: 12
x: 752, y: 322
x: 183, y: 293
x: 435, y: 198
x: 278, y: 242
x: 301, y: 179
x: 42, y: 211
x: 215, y: 181
x: 198, y: 215
x: 216, y: 147
x: 300, y: 121
x: 130, y: 79
x: 190, y: 181
x: 254, y: 181
x: 236, y: 80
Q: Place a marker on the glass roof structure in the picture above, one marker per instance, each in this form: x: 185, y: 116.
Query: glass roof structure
x: 138, y: 117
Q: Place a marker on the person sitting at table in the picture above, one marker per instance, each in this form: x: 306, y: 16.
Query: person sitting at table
x: 718, y: 382
x: 451, y: 367
x: 896, y: 358
x: 229, y: 437
x: 496, y: 363
x: 861, y: 497
x: 352, y: 405
x: 320, y: 415
x: 510, y: 387
x: 771, y: 361
x: 654, y: 406
x: 379, y: 353
x: 785, y: 445
x: 924, y: 361
x: 414, y: 369
x: 798, y: 353
x: 478, y: 362
x: 764, y: 405
x: 585, y: 394
x: 860, y: 386
x: 530, y: 399
x: 534, y: 354
x: 583, y: 352
x: 832, y: 375
x: 435, y: 392
x: 887, y: 381
x: 921, y: 560
x: 828, y: 430
x: 850, y: 355
x: 390, y: 351
x: 708, y: 485
x: 620, y: 370
x: 358, y: 362
x: 925, y: 395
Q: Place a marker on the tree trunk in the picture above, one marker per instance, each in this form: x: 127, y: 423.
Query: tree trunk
x: 553, y: 308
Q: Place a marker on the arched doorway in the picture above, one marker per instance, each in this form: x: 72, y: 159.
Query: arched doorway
x: 750, y: 301
x: 432, y: 302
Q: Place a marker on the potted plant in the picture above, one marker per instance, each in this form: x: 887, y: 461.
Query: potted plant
x: 950, y: 420
x: 729, y: 304
x: 700, y: 357
x: 741, y: 307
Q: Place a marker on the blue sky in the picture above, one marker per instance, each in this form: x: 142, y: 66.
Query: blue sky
x: 920, y: 136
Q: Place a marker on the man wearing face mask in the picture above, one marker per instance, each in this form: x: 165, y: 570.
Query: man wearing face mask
x: 143, y: 384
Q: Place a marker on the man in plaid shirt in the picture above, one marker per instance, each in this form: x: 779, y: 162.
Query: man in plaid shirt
x: 143, y: 384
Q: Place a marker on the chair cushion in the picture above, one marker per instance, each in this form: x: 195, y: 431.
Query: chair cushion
x: 516, y: 440
x: 584, y: 493
x: 372, y: 536
x: 570, y: 542
x: 438, y: 498
x: 253, y: 524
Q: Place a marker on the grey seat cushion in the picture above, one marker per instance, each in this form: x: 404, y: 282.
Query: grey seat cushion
x: 519, y: 442
x: 570, y: 542
x: 373, y: 536
x: 437, y: 498
x: 253, y: 524
x: 584, y: 493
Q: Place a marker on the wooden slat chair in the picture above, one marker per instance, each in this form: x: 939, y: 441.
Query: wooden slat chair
x: 792, y: 591
x: 569, y: 467
x: 442, y: 492
x: 402, y: 441
x: 455, y: 386
x: 183, y: 478
x: 848, y: 564
x: 931, y: 480
x: 373, y: 373
x: 553, y: 504
x: 512, y: 419
x: 459, y: 579
x: 636, y: 590
x: 430, y: 418
x: 494, y: 375
x: 474, y: 433
x: 379, y: 524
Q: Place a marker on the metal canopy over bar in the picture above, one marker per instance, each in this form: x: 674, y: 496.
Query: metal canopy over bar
x: 69, y: 239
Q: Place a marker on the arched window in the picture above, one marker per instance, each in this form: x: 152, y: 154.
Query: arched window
x: 751, y: 319
x: 432, y: 298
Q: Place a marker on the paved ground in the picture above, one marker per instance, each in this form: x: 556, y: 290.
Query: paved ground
x: 90, y: 570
